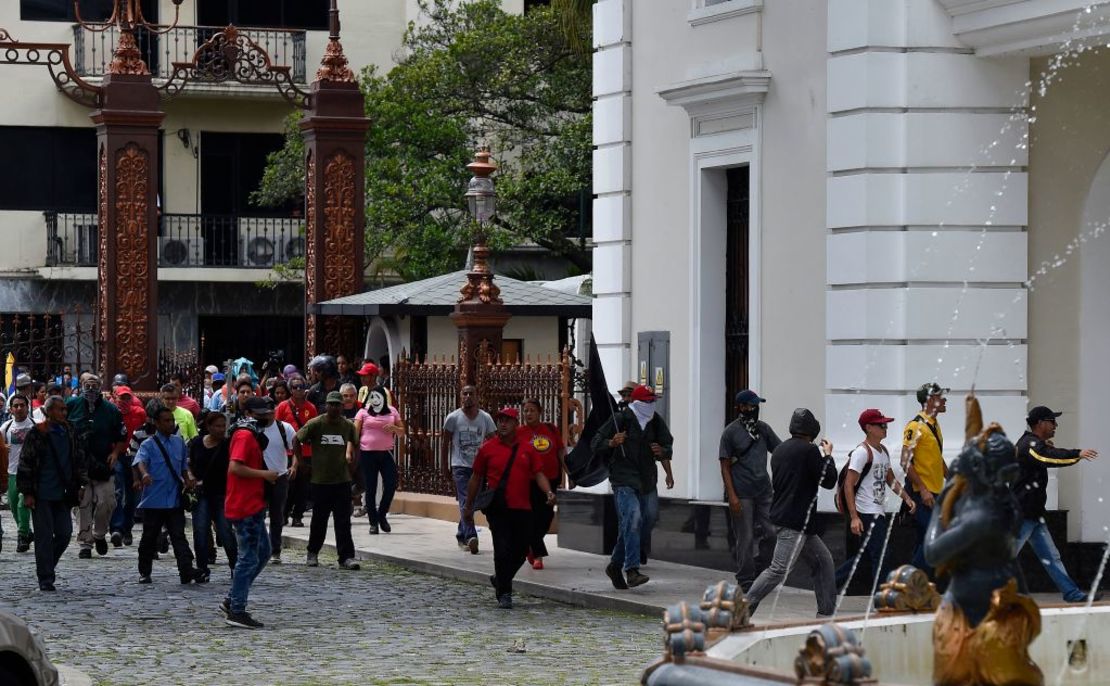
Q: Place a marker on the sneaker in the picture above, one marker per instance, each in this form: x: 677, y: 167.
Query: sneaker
x: 101, y: 547
x: 127, y: 540
x: 312, y: 560
x: 117, y: 539
x: 537, y: 563
x: 635, y: 578
x: 188, y: 577
x: 373, y: 529
x: 462, y: 544
x: 350, y: 564
x: 384, y: 524
x: 23, y: 544
x: 275, y: 559
x: 616, y: 576
x: 85, y: 554
x: 202, y: 576
x: 505, y: 601
x: 144, y: 579
x: 46, y: 587
x: 472, y: 545
x: 297, y: 523
x: 243, y: 620
x: 225, y: 606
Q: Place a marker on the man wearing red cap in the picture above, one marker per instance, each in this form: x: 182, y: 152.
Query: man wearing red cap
x: 510, y: 525
x: 864, y: 496
x: 631, y: 443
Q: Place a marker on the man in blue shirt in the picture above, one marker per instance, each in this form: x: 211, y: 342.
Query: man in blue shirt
x: 163, y: 462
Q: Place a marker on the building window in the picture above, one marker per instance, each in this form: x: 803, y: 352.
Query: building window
x: 91, y: 10
x: 56, y: 170
x: 265, y: 14
x: 736, y: 282
x: 231, y: 167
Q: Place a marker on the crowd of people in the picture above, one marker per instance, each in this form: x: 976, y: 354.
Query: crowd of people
x: 248, y: 452
x: 251, y: 455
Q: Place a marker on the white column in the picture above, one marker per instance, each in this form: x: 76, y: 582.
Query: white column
x: 926, y: 218
x: 612, y: 164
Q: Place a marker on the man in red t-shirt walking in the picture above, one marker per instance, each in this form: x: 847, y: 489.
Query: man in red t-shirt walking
x: 245, y: 508
x: 510, y: 525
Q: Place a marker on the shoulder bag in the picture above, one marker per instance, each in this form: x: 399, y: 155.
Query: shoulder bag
x: 493, y: 499
x: 189, y: 497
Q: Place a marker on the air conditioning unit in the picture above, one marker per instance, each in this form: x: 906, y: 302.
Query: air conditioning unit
x: 88, y: 244
x: 292, y: 246
x: 181, y: 252
x: 258, y: 250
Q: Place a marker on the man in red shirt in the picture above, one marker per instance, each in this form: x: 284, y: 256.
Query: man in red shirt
x: 245, y: 509
x: 297, y: 411
x: 510, y: 523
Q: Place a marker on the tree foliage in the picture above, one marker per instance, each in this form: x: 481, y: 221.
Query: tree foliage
x: 469, y: 73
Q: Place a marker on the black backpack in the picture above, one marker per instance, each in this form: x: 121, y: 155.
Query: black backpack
x: 839, y: 499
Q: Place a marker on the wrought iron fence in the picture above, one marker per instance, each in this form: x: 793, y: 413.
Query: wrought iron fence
x: 187, y: 363
x: 43, y: 344
x: 94, y: 50
x: 185, y: 240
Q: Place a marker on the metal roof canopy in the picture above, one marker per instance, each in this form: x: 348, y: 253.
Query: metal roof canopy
x: 438, y: 295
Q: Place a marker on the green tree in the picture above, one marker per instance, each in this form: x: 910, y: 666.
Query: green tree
x: 469, y: 73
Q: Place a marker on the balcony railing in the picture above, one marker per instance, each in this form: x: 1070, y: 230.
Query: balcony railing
x: 93, y: 51
x: 185, y: 240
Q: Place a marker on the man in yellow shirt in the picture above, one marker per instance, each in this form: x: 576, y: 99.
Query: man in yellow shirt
x: 923, y: 462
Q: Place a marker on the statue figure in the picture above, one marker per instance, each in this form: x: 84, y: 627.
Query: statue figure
x: 983, y: 628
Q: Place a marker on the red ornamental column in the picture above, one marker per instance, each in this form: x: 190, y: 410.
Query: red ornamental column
x: 335, y: 205
x: 127, y: 272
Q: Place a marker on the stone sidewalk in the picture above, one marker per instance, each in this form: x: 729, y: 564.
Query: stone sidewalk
x: 570, y: 576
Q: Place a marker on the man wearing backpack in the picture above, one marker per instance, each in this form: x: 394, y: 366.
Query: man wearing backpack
x: 746, y: 445
x: 861, y: 495
x: 923, y: 461
x: 277, y: 455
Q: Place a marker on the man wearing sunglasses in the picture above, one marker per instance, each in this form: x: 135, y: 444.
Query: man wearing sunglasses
x: 1036, y: 455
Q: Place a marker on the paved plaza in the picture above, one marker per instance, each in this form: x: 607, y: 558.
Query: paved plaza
x: 381, y: 625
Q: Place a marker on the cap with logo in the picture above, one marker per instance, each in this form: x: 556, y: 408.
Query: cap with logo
x: 749, y: 397
x: 873, y: 416
x: 928, y: 390
x: 1041, y: 413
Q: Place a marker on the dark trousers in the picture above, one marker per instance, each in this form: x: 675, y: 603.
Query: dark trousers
x: 373, y: 463
x: 921, y: 517
x: 877, y: 525
x: 542, y: 516
x: 53, y: 524
x: 297, y: 497
x: 279, y: 494
x: 512, y: 532
x: 333, y: 500
x: 174, y: 521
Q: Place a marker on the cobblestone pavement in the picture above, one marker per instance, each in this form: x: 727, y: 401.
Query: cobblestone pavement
x: 380, y: 625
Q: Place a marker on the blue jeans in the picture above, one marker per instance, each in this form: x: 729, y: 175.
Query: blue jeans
x: 631, y: 508
x: 921, y: 517
x: 254, y: 553
x: 211, y: 509
x: 1036, y: 533
x: 462, y: 475
x: 877, y: 525
x: 123, y: 517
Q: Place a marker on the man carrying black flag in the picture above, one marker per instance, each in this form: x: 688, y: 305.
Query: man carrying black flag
x: 584, y: 468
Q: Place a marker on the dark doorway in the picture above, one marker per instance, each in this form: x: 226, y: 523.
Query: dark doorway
x: 273, y: 14
x: 252, y: 337
x: 736, y: 282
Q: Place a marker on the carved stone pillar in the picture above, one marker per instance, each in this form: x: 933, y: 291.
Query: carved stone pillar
x: 127, y: 271
x: 335, y: 205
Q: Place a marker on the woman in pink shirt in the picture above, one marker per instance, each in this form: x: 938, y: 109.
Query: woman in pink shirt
x: 377, y: 425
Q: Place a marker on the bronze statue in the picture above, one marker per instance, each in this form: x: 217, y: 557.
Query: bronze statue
x: 983, y: 628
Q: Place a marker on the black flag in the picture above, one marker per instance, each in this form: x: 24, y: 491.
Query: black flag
x: 583, y: 467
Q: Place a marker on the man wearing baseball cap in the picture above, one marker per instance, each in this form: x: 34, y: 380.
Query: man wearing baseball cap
x: 510, y: 525
x: 631, y: 442
x: 746, y: 446
x: 864, y: 496
x: 1036, y: 455
x: 923, y: 461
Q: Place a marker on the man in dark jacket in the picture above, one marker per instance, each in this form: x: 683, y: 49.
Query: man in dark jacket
x: 631, y: 443
x: 799, y: 468
x: 52, y: 476
x: 100, y: 429
x: 745, y: 446
x: 1036, y: 455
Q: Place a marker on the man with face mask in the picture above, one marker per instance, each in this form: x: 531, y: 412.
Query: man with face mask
x: 278, y: 457
x: 99, y: 425
x: 746, y: 445
x: 632, y: 442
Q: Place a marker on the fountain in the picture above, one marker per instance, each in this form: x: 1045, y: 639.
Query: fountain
x: 981, y: 632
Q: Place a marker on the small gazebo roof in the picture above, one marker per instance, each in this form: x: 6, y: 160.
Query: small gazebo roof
x: 438, y: 295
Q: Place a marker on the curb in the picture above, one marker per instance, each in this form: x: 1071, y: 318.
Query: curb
x: 569, y: 596
x: 73, y: 677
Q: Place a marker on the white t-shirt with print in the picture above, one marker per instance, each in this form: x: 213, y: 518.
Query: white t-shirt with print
x: 15, y: 433
x: 467, y: 436
x: 872, y: 486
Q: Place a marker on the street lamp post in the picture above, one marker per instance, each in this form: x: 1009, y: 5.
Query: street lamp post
x: 480, y: 314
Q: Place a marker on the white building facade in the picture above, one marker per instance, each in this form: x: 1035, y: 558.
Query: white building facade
x: 834, y: 202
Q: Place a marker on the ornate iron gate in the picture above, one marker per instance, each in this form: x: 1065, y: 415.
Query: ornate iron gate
x: 42, y: 344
